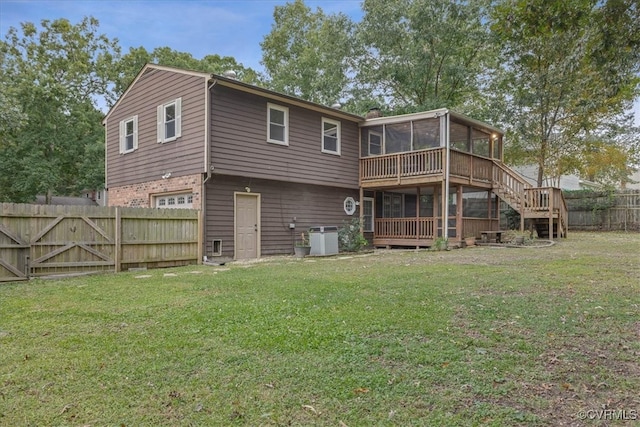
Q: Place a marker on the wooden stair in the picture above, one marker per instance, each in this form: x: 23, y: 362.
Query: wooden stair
x: 544, y: 206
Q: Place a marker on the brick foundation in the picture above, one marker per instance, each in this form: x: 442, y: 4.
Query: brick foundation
x: 141, y: 195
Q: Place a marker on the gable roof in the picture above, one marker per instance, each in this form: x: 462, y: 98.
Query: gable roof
x: 142, y: 71
x: 237, y: 84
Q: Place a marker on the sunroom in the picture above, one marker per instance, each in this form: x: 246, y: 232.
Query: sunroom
x: 418, y: 169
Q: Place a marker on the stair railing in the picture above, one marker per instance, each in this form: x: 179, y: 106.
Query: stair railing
x: 512, y: 186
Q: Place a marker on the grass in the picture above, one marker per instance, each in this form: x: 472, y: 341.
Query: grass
x: 481, y: 336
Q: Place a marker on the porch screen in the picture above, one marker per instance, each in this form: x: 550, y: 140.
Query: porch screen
x: 426, y: 134
x: 397, y: 138
x: 459, y: 137
x: 475, y: 204
x: 480, y: 142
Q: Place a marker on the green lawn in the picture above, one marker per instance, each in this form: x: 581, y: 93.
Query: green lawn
x: 480, y: 336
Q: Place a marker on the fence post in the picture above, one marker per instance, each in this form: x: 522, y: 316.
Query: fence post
x: 200, y: 251
x: 118, y: 241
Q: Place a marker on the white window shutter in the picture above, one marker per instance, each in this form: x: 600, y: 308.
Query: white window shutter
x: 160, y: 123
x: 135, y: 132
x: 178, y: 117
x: 121, y: 136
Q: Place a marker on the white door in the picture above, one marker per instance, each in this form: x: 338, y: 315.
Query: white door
x: 247, y: 226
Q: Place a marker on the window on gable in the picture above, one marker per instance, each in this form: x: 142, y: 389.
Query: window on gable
x: 170, y: 121
x: 330, y: 136
x: 278, y: 124
x: 129, y: 135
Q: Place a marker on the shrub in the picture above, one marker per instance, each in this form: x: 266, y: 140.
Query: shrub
x: 350, y: 237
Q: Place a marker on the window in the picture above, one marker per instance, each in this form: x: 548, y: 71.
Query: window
x: 330, y: 136
x: 170, y: 121
x: 129, y: 135
x: 375, y: 143
x: 349, y: 205
x: 278, y: 124
x: 176, y: 201
x: 368, y: 214
x: 392, y: 205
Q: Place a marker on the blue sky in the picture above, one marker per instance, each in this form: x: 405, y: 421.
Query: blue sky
x: 200, y: 27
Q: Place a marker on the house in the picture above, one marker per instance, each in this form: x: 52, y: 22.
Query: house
x: 565, y: 182
x: 263, y: 166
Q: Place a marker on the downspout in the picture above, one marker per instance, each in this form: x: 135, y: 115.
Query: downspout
x: 105, y: 201
x: 445, y: 196
x: 207, y: 165
x: 207, y: 147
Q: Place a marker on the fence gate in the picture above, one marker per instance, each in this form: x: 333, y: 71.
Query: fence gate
x: 14, y: 256
x: 44, y: 240
x: 72, y: 243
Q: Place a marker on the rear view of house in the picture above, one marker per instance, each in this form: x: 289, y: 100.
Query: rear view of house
x: 263, y: 167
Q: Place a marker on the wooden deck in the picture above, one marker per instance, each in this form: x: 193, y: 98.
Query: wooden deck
x: 429, y: 167
x: 425, y: 167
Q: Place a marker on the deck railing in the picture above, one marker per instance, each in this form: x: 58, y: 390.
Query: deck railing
x: 391, y: 169
x: 423, y: 163
x: 509, y: 184
x: 544, y: 199
x: 404, y: 228
x: 402, y: 165
x: 469, y: 166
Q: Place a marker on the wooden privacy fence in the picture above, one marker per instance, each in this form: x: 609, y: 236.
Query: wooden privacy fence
x: 43, y: 240
x: 601, y: 210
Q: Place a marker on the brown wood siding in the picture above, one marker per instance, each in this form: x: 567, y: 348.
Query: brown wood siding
x: 311, y: 205
x: 239, y: 143
x: 184, y: 156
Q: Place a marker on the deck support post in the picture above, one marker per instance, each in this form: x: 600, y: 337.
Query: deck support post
x: 362, y: 212
x: 489, y: 210
x: 418, y: 217
x: 459, y: 202
x: 444, y: 210
x: 522, y: 210
x: 445, y: 182
x: 550, y: 198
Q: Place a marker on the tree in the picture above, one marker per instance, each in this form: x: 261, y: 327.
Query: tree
x: 56, y: 73
x: 568, y: 68
x: 424, y: 54
x: 608, y: 155
x: 306, y: 53
x: 133, y: 61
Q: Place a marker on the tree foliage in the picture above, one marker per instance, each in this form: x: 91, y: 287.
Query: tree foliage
x: 568, y: 68
x: 424, y: 54
x: 306, y: 53
x: 567, y: 72
x: 52, y: 77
